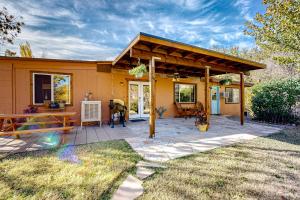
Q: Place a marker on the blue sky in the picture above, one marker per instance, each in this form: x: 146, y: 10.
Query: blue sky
x: 100, y: 29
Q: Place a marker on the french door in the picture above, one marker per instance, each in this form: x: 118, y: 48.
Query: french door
x: 139, y: 105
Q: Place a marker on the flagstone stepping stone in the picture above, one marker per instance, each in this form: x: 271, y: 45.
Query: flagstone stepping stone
x: 150, y: 164
x: 143, y: 172
x: 130, y: 189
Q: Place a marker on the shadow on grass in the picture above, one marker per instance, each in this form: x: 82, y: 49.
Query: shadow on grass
x: 263, y: 168
x: 103, y: 166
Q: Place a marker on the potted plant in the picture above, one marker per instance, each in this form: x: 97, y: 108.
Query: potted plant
x: 225, y: 81
x: 138, y: 71
x: 160, y: 111
x: 62, y: 104
x: 54, y: 105
x: 201, y: 122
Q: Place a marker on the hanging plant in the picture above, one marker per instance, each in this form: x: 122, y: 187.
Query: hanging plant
x: 226, y: 81
x: 138, y: 71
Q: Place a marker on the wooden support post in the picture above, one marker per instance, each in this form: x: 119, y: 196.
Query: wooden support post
x: 207, y: 93
x: 152, y: 96
x: 242, y: 98
x: 66, y: 123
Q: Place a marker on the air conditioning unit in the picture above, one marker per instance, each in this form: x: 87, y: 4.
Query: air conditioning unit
x: 224, y: 95
x: 91, y: 112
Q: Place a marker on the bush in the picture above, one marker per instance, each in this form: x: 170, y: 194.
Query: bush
x: 274, y: 101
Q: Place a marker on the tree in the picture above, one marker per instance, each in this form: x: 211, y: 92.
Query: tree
x: 10, y: 26
x: 273, y: 70
x: 10, y: 53
x: 278, y: 31
x: 25, y: 50
x: 274, y: 101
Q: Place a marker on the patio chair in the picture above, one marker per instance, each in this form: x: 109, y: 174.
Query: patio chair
x: 182, y: 112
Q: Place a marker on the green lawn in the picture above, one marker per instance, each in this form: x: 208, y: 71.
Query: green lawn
x: 264, y: 168
x: 82, y: 172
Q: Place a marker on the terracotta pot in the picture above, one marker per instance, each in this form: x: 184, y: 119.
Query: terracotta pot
x: 203, y: 127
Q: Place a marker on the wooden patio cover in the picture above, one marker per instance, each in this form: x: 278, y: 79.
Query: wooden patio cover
x: 167, y: 57
x: 182, y: 58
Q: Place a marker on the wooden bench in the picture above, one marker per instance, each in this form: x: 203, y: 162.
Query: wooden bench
x: 9, y: 124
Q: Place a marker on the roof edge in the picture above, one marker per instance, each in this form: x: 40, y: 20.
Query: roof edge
x: 54, y: 60
x: 206, y: 51
x: 131, y: 44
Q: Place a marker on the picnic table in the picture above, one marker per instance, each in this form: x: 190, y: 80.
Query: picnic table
x: 16, y: 124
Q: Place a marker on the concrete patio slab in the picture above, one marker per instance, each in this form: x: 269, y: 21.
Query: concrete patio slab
x: 175, y: 137
x: 178, y: 137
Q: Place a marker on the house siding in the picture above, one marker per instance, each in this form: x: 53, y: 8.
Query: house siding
x: 15, y: 79
x: 6, y: 89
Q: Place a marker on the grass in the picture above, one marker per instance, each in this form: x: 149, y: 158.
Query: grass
x: 264, y: 168
x: 57, y: 174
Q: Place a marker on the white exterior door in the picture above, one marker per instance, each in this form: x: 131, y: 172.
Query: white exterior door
x: 138, y: 100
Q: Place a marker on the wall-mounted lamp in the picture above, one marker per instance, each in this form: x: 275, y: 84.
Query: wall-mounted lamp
x: 122, y: 83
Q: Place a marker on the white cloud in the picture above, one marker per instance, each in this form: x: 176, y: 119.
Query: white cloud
x: 244, y: 6
x: 192, y: 5
x: 213, y: 42
x: 198, y: 22
x: 64, y: 46
x: 245, y: 44
x: 232, y: 36
x: 100, y: 29
x: 78, y: 23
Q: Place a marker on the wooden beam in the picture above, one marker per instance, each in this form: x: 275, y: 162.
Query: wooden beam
x: 138, y: 53
x: 152, y: 96
x: 207, y: 94
x: 186, y: 55
x: 198, y: 50
x: 242, y: 98
x: 170, y: 51
x: 155, y: 47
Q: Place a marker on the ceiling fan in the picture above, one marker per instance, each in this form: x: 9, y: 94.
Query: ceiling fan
x: 176, y: 76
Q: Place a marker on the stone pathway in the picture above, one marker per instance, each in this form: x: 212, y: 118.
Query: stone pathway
x: 143, y: 172
x: 132, y: 187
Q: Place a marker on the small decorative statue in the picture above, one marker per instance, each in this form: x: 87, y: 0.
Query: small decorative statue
x: 88, y: 96
x: 160, y: 111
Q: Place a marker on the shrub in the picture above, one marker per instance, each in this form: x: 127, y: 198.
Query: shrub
x: 274, y: 101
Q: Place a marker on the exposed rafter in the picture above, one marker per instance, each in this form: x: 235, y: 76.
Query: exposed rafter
x: 137, y: 53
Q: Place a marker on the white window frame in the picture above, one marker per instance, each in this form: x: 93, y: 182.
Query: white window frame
x: 227, y: 99
x: 194, y: 87
x: 52, y: 83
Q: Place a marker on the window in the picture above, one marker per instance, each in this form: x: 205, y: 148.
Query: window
x: 185, y: 93
x: 233, y: 95
x: 53, y: 87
